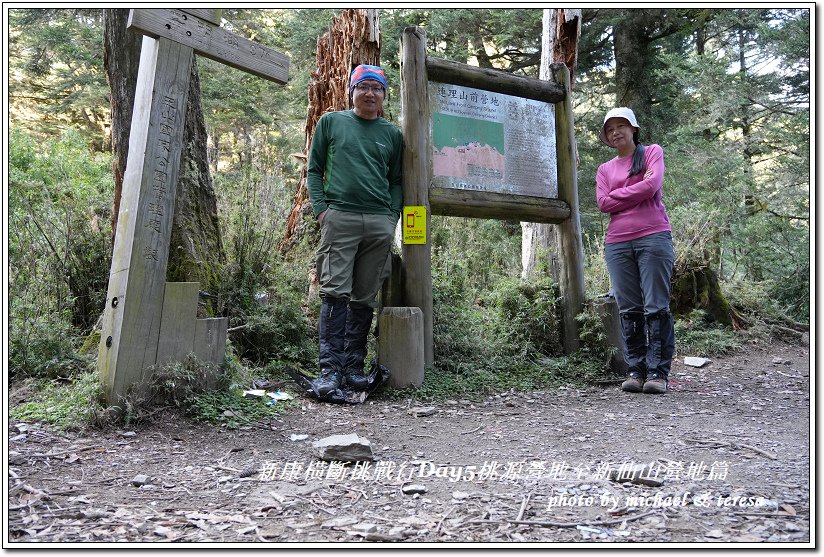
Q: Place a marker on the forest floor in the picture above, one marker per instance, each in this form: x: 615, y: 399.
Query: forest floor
x: 729, y: 445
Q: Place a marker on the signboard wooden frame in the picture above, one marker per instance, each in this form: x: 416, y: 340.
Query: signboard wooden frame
x: 416, y: 71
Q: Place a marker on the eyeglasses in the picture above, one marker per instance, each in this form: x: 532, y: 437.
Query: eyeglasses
x: 364, y: 88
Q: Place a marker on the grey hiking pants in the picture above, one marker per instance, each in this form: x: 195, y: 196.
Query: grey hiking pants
x: 354, y: 256
x: 641, y: 271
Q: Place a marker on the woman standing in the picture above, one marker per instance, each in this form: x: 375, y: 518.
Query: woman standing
x: 639, y: 251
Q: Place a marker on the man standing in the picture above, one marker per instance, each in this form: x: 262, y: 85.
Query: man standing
x: 354, y: 182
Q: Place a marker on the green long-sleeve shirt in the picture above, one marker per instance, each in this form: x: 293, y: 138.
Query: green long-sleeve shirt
x: 355, y: 165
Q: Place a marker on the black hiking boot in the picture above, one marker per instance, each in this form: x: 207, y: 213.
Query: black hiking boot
x: 329, y: 381
x: 634, y: 333
x: 661, y: 348
x: 331, y: 329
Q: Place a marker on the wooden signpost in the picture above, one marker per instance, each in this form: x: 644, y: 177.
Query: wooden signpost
x: 140, y: 306
x: 493, y: 177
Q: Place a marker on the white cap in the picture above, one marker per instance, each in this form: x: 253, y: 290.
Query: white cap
x: 620, y: 112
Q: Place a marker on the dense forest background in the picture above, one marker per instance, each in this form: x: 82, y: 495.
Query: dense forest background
x: 726, y: 92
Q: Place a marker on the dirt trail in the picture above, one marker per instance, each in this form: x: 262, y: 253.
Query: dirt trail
x: 730, y: 445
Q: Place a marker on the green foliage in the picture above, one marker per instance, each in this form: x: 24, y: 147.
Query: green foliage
x: 58, y: 251
x: 277, y: 330
x: 697, y: 335
x: 56, y: 72
x: 261, y: 291
x: 526, y: 315
x: 206, y: 395
x: 44, y: 346
x: 59, y: 232
x: 510, y: 343
x: 755, y: 300
x: 497, y: 341
x: 593, y: 337
x: 596, y: 275
x: 63, y: 405
x: 212, y: 408
x: 472, y: 254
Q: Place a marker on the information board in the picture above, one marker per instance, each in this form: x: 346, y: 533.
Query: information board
x: 492, y: 142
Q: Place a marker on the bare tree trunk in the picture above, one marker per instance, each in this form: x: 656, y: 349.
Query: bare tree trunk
x: 631, y: 46
x: 196, y: 245
x: 121, y: 57
x: 540, y: 242
x: 353, y: 39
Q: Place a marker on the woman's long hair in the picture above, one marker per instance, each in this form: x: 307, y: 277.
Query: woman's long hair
x: 639, y: 163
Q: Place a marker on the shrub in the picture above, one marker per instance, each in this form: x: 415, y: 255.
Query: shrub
x: 205, y: 395
x: 59, y: 242
x: 697, y: 335
x: 526, y: 317
x: 64, y: 405
x: 44, y: 346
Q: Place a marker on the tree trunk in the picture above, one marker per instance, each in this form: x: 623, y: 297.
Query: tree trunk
x: 121, y: 57
x: 196, y: 248
x: 353, y: 39
x: 540, y: 242
x: 196, y: 245
x: 631, y: 47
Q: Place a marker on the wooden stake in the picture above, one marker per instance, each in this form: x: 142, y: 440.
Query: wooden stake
x: 569, y: 231
x: 415, y: 117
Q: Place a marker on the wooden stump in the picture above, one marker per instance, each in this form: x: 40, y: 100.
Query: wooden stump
x: 210, y: 344
x: 401, y: 345
x: 607, y: 309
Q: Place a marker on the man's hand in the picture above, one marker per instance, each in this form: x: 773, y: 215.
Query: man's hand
x: 320, y: 217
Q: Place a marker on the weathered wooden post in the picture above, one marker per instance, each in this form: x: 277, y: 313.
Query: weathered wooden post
x: 569, y: 230
x: 415, y: 127
x: 133, y: 316
x: 606, y: 308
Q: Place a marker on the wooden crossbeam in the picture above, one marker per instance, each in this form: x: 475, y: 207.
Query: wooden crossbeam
x: 206, y: 14
x: 212, y: 42
x: 447, y: 71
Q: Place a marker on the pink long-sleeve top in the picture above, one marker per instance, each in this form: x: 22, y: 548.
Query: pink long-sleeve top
x: 633, y: 203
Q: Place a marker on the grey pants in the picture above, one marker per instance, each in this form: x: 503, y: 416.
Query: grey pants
x: 641, y: 271
x: 354, y: 256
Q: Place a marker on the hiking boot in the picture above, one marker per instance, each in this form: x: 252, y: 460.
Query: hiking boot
x: 633, y: 383
x: 656, y: 384
x: 329, y: 380
x: 355, y: 380
x: 661, y: 347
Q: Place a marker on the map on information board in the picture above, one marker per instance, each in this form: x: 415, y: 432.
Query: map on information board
x: 492, y: 142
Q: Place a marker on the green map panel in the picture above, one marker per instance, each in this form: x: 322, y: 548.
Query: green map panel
x: 456, y: 131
